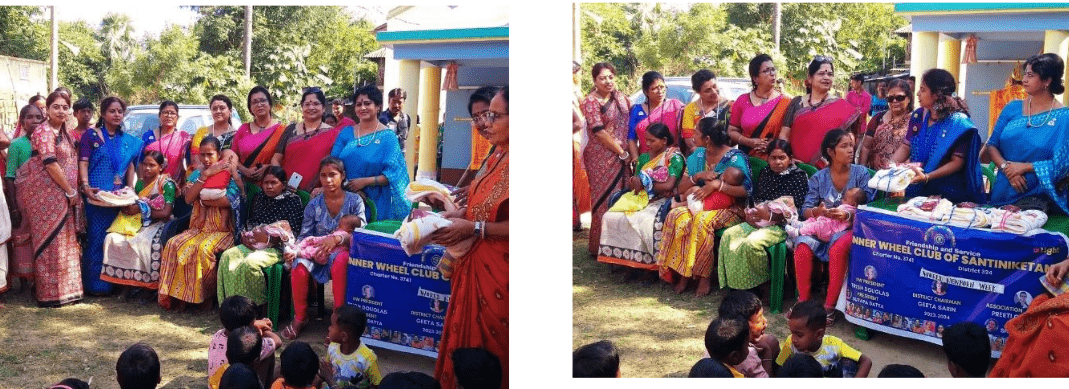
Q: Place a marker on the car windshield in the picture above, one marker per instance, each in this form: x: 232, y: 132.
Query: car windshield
x: 139, y: 121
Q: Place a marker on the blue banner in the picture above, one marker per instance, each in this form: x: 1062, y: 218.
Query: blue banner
x: 404, y: 296
x: 913, y: 278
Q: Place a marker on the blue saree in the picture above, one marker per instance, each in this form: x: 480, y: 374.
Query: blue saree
x: 371, y: 155
x: 932, y: 145
x: 1018, y: 142
x: 1052, y: 173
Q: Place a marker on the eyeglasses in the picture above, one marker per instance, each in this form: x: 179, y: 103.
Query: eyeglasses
x: 260, y: 101
x: 312, y: 104
x: 658, y: 88
x: 896, y: 98
x: 168, y: 113
x: 480, y: 116
x: 365, y: 103
x: 492, y: 116
x: 769, y: 70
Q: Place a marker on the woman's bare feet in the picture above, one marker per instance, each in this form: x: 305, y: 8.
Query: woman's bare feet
x: 681, y: 285
x: 704, y: 286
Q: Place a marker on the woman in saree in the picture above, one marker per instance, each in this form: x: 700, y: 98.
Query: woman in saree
x: 1038, y: 336
x: 816, y: 113
x: 887, y: 130
x: 256, y: 141
x: 169, y: 141
x: 222, y: 129
x: 656, y: 109
x: 30, y: 117
x: 686, y: 250
x: 478, y: 312
x: 187, y: 268
x: 944, y: 141
x: 106, y: 162
x: 826, y: 189
x: 743, y: 261
x: 757, y: 117
x: 374, y: 163
x: 708, y: 104
x: 605, y: 157
x: 241, y: 267
x: 1026, y: 139
x: 47, y: 193
x: 308, y: 142
x: 321, y: 218
x: 631, y: 238
x: 132, y: 249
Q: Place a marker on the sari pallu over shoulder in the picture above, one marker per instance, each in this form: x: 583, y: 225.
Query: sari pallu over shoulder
x: 932, y: 144
x: 810, y: 124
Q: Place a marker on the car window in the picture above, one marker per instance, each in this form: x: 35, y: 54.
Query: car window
x: 137, y: 123
x: 192, y: 123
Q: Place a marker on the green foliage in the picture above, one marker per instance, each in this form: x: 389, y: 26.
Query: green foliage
x: 82, y: 63
x: 21, y: 35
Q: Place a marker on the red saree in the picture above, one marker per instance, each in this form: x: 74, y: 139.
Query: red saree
x: 305, y: 153
x: 478, y: 314
x: 811, y: 123
x: 1037, y: 345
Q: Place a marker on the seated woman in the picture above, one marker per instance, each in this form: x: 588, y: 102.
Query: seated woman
x: 887, y: 129
x: 743, y: 263
x: 241, y: 267
x: 321, y: 217
x: 187, y: 269
x: 944, y: 141
x: 631, y: 238
x: 1027, y: 136
x: 687, y: 245
x: 132, y: 250
x: 826, y: 190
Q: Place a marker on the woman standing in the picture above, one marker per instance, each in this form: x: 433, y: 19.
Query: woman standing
x: 106, y: 162
x: 321, y: 218
x: 826, y: 189
x: 1027, y: 136
x: 374, y: 163
x: 811, y: 116
x: 687, y: 245
x: 169, y: 141
x: 946, y: 143
x: 307, y: 142
x: 757, y: 117
x: 656, y: 109
x: 241, y: 268
x: 187, y: 269
x: 708, y: 104
x: 256, y: 141
x: 132, y: 257
x: 887, y: 129
x: 478, y: 313
x: 221, y: 128
x: 47, y: 192
x: 605, y: 157
x: 30, y: 117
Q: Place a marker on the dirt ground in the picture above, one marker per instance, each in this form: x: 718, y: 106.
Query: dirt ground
x: 660, y: 333
x: 42, y: 346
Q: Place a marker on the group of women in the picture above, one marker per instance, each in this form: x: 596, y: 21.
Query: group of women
x: 785, y: 136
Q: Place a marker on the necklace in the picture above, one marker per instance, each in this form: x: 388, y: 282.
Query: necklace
x: 262, y: 127
x: 373, y: 139
x: 216, y: 131
x: 1031, y: 112
x: 810, y: 100
x: 764, y: 99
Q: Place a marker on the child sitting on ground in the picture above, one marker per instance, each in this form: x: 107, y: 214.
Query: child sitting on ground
x: 800, y: 366
x: 300, y: 367
x: 138, y: 368
x: 807, y: 322
x: 900, y: 371
x: 709, y: 368
x: 351, y: 364
x: 968, y: 350
x: 823, y: 228
x: 308, y: 248
x: 764, y: 347
x: 727, y: 340
x: 411, y: 380
x: 243, y: 347
x: 476, y: 368
x: 236, y: 312
x: 240, y: 376
x: 596, y: 360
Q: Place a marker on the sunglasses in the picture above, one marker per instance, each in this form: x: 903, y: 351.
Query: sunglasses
x: 896, y: 98
x: 823, y: 58
x: 313, y: 89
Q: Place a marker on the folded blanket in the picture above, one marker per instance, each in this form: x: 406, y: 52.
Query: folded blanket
x: 631, y: 202
x: 942, y: 210
x: 1017, y: 222
x: 415, y: 233
x: 115, y: 198
x: 428, y: 189
x: 895, y: 179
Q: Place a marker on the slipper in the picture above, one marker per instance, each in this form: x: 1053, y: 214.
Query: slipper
x: 830, y: 318
x: 292, y: 330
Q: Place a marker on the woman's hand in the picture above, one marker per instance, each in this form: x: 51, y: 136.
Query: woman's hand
x: 288, y: 257
x: 1056, y: 273
x: 73, y: 201
x: 460, y: 229
x: 920, y: 177
x: 837, y: 214
x: 316, y: 191
x: 459, y: 213
x: 356, y: 184
x: 709, y: 188
x: 759, y: 145
x: 1019, y: 184
x: 818, y: 211
x: 90, y: 191
x: 636, y: 185
x: 1017, y: 169
x: 213, y: 169
x: 132, y: 209
x: 325, y: 247
x: 461, y: 196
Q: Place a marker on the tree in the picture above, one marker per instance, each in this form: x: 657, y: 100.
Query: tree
x: 82, y: 67
x: 21, y: 35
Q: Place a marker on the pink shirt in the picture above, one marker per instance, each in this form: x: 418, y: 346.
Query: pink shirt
x: 217, y: 351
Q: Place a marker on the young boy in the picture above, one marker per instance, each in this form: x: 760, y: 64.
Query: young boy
x: 900, y: 371
x: 968, y: 350
x: 800, y: 366
x: 476, y: 368
x: 807, y: 323
x: 709, y: 368
x: 138, y: 368
x: 764, y: 348
x: 236, y: 312
x: 727, y: 340
x: 243, y: 346
x: 300, y: 366
x: 596, y: 360
x: 351, y: 363
x: 409, y: 380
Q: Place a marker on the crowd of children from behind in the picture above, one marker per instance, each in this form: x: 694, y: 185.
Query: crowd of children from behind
x: 241, y: 355
x: 738, y: 347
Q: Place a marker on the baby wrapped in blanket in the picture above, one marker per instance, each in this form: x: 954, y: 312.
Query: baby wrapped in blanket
x: 269, y: 235
x: 823, y: 228
x: 214, y: 188
x: 309, y: 246
x: 717, y: 200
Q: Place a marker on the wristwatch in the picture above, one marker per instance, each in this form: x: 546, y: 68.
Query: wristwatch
x: 1004, y: 164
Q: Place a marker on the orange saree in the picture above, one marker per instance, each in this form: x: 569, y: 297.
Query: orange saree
x: 1037, y: 345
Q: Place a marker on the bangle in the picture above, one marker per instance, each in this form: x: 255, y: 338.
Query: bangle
x: 692, y: 180
x: 925, y: 178
x: 70, y: 195
x: 625, y: 155
x: 477, y: 232
x: 721, y: 188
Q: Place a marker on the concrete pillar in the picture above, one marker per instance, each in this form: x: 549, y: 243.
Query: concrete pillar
x: 1057, y: 42
x: 430, y: 92
x: 923, y: 54
x: 408, y: 77
x: 950, y: 58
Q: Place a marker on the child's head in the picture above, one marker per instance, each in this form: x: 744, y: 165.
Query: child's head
x: 236, y: 311
x: 745, y: 304
x: 138, y: 368
x: 709, y: 368
x: 727, y: 339
x: 409, y: 380
x: 330, y: 119
x: 300, y: 364
x: 968, y: 350
x: 240, y: 376
x: 807, y: 324
x: 900, y: 371
x: 732, y: 176
x: 476, y: 368
x: 596, y: 360
x: 72, y: 383
x: 209, y: 150
x: 801, y: 366
x: 349, y: 223
x: 347, y: 325
x: 243, y: 345
x: 855, y: 197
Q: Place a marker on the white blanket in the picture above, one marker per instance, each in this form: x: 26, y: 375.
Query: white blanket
x: 425, y: 188
x: 895, y: 179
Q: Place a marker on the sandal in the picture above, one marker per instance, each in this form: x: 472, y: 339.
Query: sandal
x: 830, y: 318
x: 292, y: 330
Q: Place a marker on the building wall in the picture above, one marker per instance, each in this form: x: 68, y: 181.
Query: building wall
x: 981, y: 77
x: 20, y: 79
x: 456, y: 147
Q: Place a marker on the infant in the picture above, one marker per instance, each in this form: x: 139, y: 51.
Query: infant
x: 214, y: 187
x: 269, y: 235
x: 824, y: 228
x: 718, y: 199
x: 308, y: 248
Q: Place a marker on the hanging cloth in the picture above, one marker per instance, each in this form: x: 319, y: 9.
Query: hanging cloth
x: 451, y: 77
x: 970, y: 50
